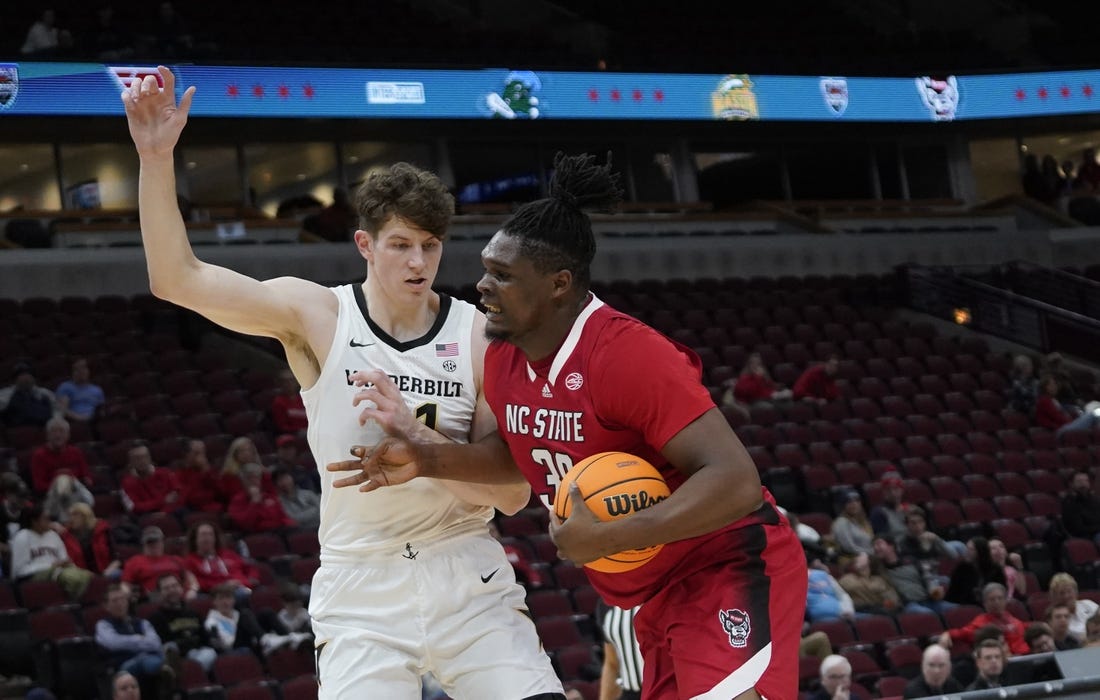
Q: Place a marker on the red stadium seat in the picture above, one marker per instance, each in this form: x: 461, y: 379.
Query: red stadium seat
x: 234, y: 669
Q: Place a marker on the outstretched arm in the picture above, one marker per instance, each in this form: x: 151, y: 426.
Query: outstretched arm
x: 382, y: 402
x: 229, y: 299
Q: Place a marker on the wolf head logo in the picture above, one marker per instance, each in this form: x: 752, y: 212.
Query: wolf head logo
x: 736, y: 624
x: 940, y: 96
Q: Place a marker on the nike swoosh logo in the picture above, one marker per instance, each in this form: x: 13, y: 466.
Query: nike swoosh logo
x: 485, y: 579
x: 359, y: 345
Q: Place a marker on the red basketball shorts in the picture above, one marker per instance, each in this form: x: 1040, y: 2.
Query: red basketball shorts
x: 729, y: 627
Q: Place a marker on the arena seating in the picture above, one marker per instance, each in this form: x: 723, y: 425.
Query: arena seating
x: 915, y: 400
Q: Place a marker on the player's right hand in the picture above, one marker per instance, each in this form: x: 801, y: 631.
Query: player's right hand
x: 154, y: 118
x: 392, y: 461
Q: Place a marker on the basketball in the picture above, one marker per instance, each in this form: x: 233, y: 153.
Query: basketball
x: 614, y: 485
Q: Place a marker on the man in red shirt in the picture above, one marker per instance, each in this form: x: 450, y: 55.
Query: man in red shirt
x: 145, y: 569
x: 57, y: 456
x: 818, y: 383
x: 994, y: 598
x: 288, y: 411
x: 149, y: 489
x: 198, y: 481
x: 568, y: 377
x: 253, y: 509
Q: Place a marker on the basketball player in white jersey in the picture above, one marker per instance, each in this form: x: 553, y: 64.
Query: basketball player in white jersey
x: 410, y: 579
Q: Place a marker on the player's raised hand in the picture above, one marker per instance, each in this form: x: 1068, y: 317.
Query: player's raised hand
x: 154, y: 117
x: 392, y: 461
x: 381, y: 402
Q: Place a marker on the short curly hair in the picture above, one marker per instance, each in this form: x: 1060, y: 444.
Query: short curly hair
x: 407, y: 192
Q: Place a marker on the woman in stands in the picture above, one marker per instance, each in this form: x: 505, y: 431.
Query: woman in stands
x: 88, y: 542
x: 971, y: 575
x: 213, y: 563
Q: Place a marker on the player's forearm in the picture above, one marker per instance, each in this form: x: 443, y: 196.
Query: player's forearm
x: 168, y: 253
x: 486, y: 461
x: 710, y: 499
x: 507, y: 498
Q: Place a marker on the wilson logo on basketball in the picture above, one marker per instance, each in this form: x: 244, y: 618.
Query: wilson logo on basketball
x: 626, y: 503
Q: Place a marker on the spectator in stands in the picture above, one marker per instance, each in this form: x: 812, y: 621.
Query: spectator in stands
x: 336, y: 222
x: 818, y: 383
x: 24, y: 402
x: 1081, y: 508
x: 1063, y: 591
x: 526, y: 572
x: 170, y: 34
x: 1092, y: 632
x: 200, y: 485
x: 1089, y: 172
x: 888, y: 518
x: 57, y: 456
x: 935, y: 675
x: 300, y: 505
x: 1058, y: 617
x: 180, y: 628
x: 989, y: 657
x: 1068, y: 395
x: 993, y: 600
x: 124, y: 686
x: 917, y: 594
x: 287, y: 458
x: 287, y: 410
x: 230, y: 628
x: 870, y: 591
x: 241, y: 451
x: 754, y: 384
x: 825, y: 598
x: 1012, y: 565
x: 38, y: 554
x: 293, y: 615
x: 130, y: 643
x: 65, y: 492
x: 213, y: 563
x: 969, y: 577
x: 1049, y: 412
x: 88, y: 542
x: 851, y: 528
x: 44, y: 38
x: 1034, y: 184
x: 109, y: 41
x: 145, y: 570
x: 149, y: 489
x: 78, y: 397
x: 1039, y: 638
x: 255, y: 510
x: 1082, y: 204
x: 15, y: 494
x: 1023, y: 392
x: 921, y: 544
x: 836, y: 680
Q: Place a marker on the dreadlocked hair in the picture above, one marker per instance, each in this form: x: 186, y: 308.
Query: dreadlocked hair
x: 555, y: 233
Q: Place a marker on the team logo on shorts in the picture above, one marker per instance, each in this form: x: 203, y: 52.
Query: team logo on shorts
x: 736, y: 624
x: 574, y: 381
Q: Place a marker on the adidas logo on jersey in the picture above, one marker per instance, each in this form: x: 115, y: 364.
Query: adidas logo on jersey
x: 546, y: 393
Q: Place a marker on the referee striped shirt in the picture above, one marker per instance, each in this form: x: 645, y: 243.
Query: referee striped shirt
x: 617, y: 626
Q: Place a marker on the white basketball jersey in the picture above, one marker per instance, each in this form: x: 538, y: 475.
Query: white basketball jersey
x: 435, y: 376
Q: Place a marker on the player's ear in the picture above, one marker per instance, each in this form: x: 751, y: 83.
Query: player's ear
x: 365, y: 243
x: 562, y: 282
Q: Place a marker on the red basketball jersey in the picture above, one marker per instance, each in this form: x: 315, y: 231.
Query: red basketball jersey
x: 615, y: 384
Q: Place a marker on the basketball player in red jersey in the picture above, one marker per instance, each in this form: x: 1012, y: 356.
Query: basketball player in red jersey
x: 568, y: 377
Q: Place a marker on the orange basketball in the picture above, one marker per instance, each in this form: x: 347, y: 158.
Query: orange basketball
x: 614, y: 485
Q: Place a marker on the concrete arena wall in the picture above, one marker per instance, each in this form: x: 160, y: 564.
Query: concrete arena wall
x: 100, y: 271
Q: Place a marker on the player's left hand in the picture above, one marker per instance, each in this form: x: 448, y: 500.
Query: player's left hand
x: 383, y: 403
x: 578, y: 537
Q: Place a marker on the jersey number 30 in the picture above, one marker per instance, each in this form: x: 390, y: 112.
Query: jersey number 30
x: 557, y: 464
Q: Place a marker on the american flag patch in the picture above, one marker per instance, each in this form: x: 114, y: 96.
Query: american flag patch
x: 446, y: 349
